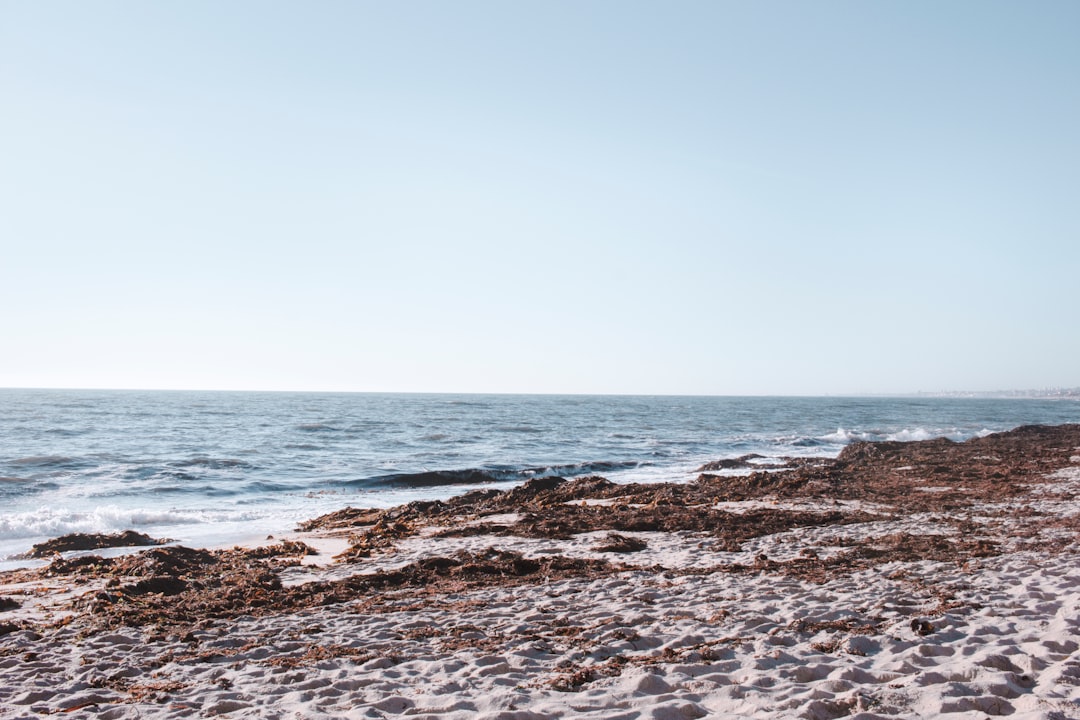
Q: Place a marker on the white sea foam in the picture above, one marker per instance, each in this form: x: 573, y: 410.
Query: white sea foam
x: 911, y: 434
x: 843, y: 436
x: 195, y: 528
x: 108, y: 518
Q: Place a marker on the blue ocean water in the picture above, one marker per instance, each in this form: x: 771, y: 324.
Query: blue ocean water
x: 219, y: 467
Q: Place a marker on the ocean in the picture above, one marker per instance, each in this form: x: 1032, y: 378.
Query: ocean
x: 211, y: 468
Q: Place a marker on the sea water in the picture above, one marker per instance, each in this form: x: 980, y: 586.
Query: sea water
x: 209, y: 468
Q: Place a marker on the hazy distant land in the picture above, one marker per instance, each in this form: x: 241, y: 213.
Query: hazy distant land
x: 1046, y: 394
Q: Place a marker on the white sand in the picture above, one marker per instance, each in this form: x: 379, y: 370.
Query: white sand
x: 1004, y: 639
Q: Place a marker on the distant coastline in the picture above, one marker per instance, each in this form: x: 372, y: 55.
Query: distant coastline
x: 1046, y: 394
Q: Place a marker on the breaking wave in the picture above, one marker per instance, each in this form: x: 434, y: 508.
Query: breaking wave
x: 109, y: 518
x: 477, y: 476
x: 845, y: 437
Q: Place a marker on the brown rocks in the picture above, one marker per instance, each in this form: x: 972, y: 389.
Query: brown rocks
x: 93, y: 541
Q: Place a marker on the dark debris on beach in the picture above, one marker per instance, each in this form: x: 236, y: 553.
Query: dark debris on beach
x: 177, y: 586
x: 93, y: 541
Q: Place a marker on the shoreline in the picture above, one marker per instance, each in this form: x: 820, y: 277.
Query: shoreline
x: 210, y: 470
x: 898, y: 580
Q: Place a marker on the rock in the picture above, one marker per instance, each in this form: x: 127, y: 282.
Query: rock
x: 93, y: 541
x: 739, y: 463
x: 616, y: 543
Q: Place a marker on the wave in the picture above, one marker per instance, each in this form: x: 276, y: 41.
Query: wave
x: 67, y: 432
x: 49, y: 461
x: 808, y: 442
x: 214, y: 463
x: 845, y: 437
x: 479, y: 476
x: 270, y: 486
x: 317, y: 428
x: 199, y: 490
x: 434, y: 478
x: 842, y: 437
x: 51, y: 522
x: 13, y: 488
x: 914, y: 434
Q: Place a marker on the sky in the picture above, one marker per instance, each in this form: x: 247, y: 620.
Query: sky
x: 733, y: 198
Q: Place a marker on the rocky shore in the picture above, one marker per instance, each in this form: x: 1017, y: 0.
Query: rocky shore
x: 898, y: 580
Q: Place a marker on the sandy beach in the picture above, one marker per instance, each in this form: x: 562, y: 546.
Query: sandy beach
x: 901, y: 580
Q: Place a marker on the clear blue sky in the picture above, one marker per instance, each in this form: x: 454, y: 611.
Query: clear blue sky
x: 666, y: 197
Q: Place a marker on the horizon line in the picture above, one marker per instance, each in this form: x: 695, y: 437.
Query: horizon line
x: 1019, y: 393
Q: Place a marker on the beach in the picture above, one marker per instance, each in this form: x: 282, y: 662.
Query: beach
x: 898, y: 580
